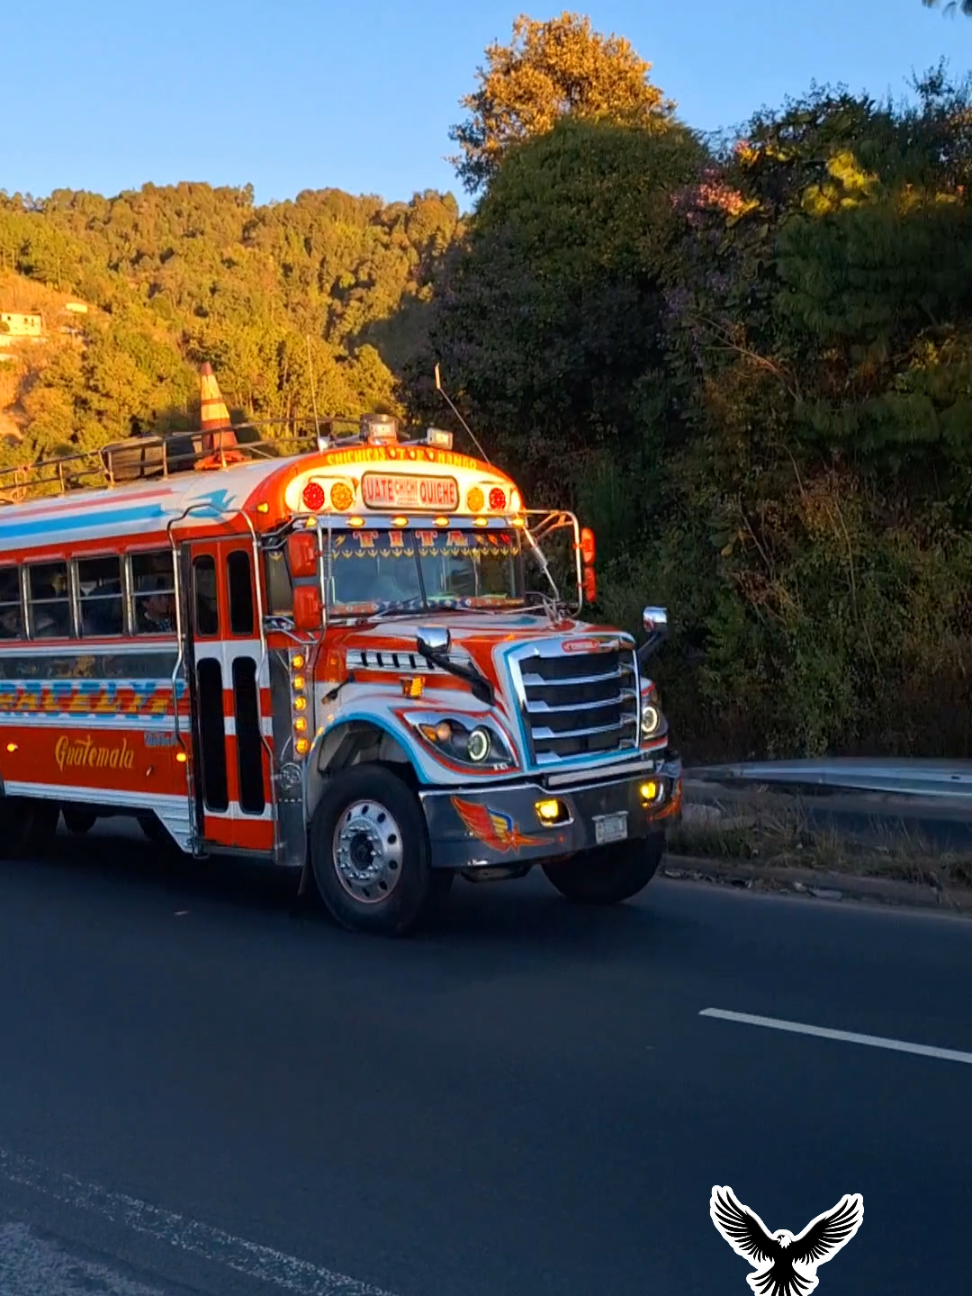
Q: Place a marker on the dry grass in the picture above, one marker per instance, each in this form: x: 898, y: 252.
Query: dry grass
x: 758, y: 829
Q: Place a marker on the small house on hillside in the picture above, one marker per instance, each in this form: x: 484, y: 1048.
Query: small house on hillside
x: 20, y: 325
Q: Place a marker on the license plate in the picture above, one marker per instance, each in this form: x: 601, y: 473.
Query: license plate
x: 612, y: 827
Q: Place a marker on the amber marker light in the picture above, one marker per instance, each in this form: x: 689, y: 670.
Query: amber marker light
x: 400, y: 521
x: 356, y: 521
x: 413, y: 688
x: 302, y: 746
x: 649, y: 792
x: 342, y: 497
x: 181, y: 757
x: 297, y: 662
x: 11, y: 747
x: 550, y: 811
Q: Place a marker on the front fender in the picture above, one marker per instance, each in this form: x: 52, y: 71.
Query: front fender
x: 356, y: 740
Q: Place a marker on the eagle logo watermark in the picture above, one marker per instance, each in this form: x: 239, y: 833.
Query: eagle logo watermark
x: 785, y: 1265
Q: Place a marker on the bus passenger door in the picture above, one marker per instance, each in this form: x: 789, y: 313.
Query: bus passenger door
x: 230, y: 696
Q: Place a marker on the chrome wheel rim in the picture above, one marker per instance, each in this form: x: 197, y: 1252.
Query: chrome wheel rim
x: 368, y: 851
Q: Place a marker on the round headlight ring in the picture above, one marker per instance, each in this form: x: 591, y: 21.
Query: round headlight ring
x: 478, y: 745
x: 650, y: 721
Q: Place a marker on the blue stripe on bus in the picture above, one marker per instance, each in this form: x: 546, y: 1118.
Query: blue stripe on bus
x: 81, y: 521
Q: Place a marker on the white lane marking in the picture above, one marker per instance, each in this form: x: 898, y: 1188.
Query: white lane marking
x: 848, y: 1037
x: 29, y: 1265
x: 250, y: 1258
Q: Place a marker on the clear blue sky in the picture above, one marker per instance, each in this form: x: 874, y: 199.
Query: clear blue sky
x: 303, y: 94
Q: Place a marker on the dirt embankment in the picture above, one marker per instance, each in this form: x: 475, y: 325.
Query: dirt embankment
x: 763, y: 841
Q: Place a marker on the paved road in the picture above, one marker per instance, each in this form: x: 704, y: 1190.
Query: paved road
x: 203, y: 1091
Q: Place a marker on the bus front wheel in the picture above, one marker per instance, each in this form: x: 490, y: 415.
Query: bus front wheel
x: 369, y: 852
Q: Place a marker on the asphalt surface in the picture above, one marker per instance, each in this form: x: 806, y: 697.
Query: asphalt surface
x: 206, y: 1090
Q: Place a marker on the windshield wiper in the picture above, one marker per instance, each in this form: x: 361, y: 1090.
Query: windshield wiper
x: 480, y: 685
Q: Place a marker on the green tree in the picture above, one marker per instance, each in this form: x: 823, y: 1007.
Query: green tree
x: 548, y: 320
x: 950, y: 6
x: 179, y: 274
x: 816, y: 538
x: 549, y: 70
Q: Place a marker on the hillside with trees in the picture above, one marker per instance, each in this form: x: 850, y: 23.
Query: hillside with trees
x: 746, y: 362
x: 174, y: 276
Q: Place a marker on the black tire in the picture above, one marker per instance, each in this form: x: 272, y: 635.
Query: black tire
x: 608, y: 875
x: 78, y: 821
x: 27, y: 826
x: 393, y: 885
x: 155, y: 830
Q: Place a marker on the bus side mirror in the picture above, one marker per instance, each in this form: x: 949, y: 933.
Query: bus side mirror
x: 655, y: 621
x: 590, y: 585
x: 587, y: 546
x: 308, y: 608
x: 433, y: 641
x: 302, y: 552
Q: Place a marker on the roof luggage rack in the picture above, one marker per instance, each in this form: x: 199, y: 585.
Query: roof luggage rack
x: 149, y: 458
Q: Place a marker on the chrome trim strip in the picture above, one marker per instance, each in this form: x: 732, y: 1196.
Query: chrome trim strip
x: 570, y: 680
x: 544, y: 708
x: 552, y: 735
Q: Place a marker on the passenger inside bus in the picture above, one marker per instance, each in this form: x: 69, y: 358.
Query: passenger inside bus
x: 11, y: 617
x: 100, y: 591
x: 50, y: 610
x: 155, y: 612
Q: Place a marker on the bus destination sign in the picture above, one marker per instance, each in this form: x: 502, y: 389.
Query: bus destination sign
x: 405, y: 491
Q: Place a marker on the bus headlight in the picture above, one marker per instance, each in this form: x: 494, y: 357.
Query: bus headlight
x: 466, y: 744
x: 478, y: 744
x: 651, y: 721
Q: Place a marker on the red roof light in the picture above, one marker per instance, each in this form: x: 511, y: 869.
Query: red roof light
x: 314, y: 496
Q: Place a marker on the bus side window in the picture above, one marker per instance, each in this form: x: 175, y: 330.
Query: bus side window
x: 153, y: 582
x: 11, y: 612
x: 239, y: 578
x: 204, y: 585
x: 100, y: 591
x: 48, y: 601
x: 280, y: 588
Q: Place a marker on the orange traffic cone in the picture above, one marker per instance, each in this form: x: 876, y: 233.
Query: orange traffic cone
x: 218, y: 438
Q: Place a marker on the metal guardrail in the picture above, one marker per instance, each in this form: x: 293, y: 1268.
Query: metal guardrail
x: 939, y: 780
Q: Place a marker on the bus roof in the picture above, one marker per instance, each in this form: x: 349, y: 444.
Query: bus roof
x: 356, y: 466
x: 376, y: 481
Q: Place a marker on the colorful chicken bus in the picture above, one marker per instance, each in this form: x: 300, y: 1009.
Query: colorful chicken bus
x: 328, y: 659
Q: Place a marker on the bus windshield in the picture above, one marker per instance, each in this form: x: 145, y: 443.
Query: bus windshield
x: 379, y: 571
